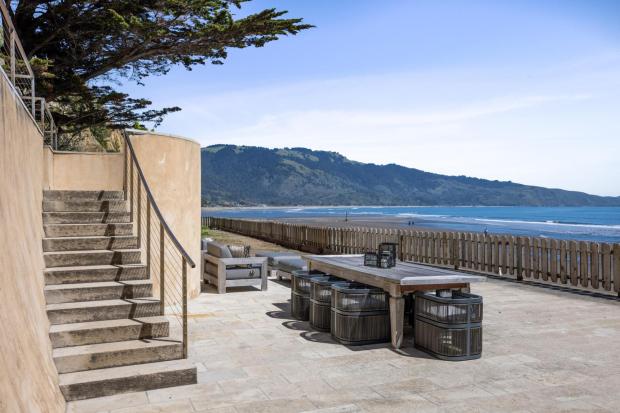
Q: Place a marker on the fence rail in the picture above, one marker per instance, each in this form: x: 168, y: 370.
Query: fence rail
x: 592, y: 265
x: 15, y: 64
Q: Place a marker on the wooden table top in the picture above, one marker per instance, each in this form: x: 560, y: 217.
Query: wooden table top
x: 404, y: 273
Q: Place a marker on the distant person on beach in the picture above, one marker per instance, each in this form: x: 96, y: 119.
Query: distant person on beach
x: 486, y: 232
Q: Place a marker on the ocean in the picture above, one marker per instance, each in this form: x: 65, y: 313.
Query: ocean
x: 580, y: 223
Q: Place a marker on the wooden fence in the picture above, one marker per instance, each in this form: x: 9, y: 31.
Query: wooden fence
x: 591, y: 265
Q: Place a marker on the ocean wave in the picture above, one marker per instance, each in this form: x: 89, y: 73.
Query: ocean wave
x: 550, y: 223
x: 414, y: 215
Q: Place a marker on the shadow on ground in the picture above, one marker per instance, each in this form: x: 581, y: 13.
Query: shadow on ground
x: 310, y: 334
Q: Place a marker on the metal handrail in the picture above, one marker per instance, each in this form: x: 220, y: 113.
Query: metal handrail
x: 41, y: 115
x: 164, y: 229
x: 15, y: 42
x: 149, y: 194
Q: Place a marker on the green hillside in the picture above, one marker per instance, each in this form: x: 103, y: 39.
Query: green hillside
x: 244, y: 175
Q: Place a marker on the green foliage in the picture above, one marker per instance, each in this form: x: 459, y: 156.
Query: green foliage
x: 77, y: 46
x: 204, y: 232
x: 241, y: 175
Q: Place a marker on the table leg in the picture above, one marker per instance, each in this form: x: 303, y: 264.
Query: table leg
x: 397, y: 320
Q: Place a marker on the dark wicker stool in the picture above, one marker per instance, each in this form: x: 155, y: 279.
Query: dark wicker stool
x: 321, y: 301
x: 300, y: 293
x: 449, y: 328
x: 360, y: 314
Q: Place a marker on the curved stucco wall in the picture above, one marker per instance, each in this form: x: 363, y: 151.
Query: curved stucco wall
x: 28, y: 377
x: 171, y: 166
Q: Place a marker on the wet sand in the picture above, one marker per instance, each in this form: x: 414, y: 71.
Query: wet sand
x: 361, y: 221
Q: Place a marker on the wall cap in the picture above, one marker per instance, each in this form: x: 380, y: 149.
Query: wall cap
x: 166, y: 135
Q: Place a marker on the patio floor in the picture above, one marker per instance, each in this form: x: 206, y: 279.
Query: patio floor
x: 544, y: 351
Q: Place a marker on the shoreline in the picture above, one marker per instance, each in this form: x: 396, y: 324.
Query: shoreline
x: 361, y: 221
x: 278, y: 207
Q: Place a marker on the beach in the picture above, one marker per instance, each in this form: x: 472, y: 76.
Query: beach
x: 600, y: 224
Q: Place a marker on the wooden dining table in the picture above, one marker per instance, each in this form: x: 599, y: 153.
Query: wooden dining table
x: 402, y: 279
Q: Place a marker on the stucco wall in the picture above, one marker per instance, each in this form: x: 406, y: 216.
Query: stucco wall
x: 28, y: 378
x: 171, y: 166
x: 87, y: 171
x: 48, y: 168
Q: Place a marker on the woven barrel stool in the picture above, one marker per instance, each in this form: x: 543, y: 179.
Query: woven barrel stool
x: 300, y: 293
x: 449, y: 328
x: 321, y: 301
x: 360, y: 314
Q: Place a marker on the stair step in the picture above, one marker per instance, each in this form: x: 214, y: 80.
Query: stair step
x: 106, y: 290
x: 108, y: 331
x: 89, y: 243
x: 64, y: 195
x: 95, y: 273
x: 85, y: 206
x: 85, y: 230
x: 91, y: 257
x: 85, y: 217
x: 106, y: 382
x: 82, y: 311
x: 120, y: 353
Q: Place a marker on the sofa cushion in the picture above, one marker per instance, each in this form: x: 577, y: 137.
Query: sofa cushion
x: 239, y: 251
x: 274, y: 257
x: 292, y: 264
x: 218, y: 250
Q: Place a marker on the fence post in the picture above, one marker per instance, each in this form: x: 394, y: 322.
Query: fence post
x: 519, y: 259
x: 455, y: 249
x: 616, y: 280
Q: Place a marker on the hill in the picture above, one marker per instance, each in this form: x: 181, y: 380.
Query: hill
x: 246, y: 175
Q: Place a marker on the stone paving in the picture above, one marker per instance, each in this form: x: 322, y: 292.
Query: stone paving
x: 544, y: 351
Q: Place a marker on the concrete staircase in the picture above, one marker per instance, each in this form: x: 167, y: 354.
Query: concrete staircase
x: 106, y: 328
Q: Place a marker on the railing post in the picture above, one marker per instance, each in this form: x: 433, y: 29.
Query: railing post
x: 125, y: 174
x: 12, y: 54
x: 184, y: 308
x: 131, y: 188
x: 139, y: 213
x: 162, y: 274
x: 32, y: 104
x: 148, y: 237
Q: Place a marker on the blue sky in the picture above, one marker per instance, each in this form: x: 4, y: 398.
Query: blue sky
x: 519, y: 90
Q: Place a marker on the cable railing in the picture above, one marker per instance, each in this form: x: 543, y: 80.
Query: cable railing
x: 16, y: 66
x: 166, y: 259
